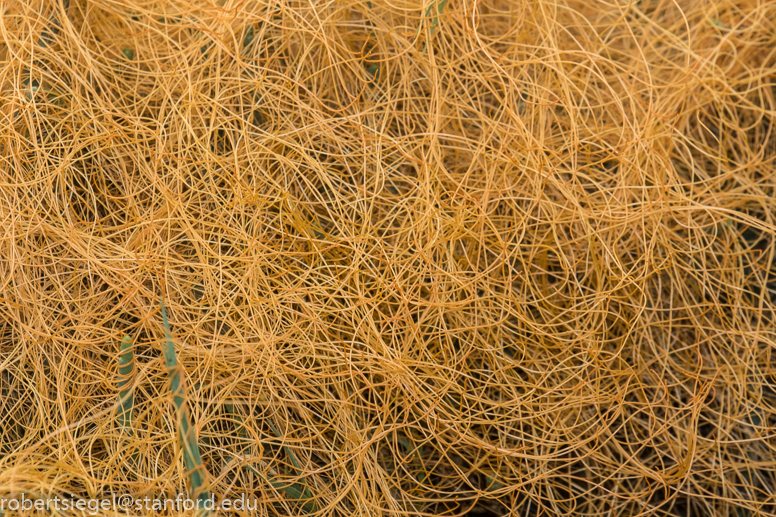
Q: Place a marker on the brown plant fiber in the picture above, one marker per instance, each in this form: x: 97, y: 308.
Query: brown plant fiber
x: 453, y: 258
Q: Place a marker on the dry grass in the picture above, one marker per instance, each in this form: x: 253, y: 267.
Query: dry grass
x: 519, y: 266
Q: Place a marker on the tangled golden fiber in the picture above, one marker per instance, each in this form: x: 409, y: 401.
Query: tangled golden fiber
x: 462, y: 257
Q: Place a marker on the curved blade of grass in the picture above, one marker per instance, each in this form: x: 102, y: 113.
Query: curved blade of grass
x: 249, y: 35
x: 126, y: 393
x: 288, y: 451
x: 294, y: 490
x: 440, y: 7
x: 188, y: 436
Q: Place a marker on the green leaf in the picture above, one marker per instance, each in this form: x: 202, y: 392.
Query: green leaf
x: 293, y: 490
x: 249, y: 35
x: 126, y: 393
x: 374, y: 71
x: 440, y: 7
x: 493, y: 481
x: 304, y: 493
x: 188, y: 436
